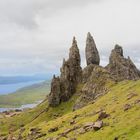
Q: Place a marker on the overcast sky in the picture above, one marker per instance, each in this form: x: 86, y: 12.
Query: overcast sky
x: 35, y: 35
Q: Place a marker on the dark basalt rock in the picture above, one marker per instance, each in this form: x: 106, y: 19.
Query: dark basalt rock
x: 120, y: 67
x: 54, y: 97
x: 92, y: 55
x: 95, y: 80
x: 71, y: 74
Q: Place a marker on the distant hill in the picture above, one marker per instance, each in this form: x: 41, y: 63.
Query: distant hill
x: 21, y: 79
x: 26, y: 95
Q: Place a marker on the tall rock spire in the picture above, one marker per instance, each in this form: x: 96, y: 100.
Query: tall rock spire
x: 92, y: 54
x: 74, y: 52
x: 71, y: 74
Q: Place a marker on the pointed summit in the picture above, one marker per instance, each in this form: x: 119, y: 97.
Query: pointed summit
x: 89, y: 35
x: 74, y: 52
x: 74, y: 42
x: 71, y: 74
x: 92, y: 54
x: 118, y: 49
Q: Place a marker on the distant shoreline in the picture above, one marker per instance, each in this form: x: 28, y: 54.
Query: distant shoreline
x: 26, y: 106
x: 6, y: 89
x: 29, y: 93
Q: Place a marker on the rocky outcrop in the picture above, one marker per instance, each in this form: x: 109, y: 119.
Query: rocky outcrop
x: 92, y: 55
x: 120, y: 67
x: 94, y: 80
x: 97, y: 84
x: 54, y: 97
x: 71, y: 74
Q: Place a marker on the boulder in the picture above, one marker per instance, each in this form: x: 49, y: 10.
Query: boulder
x: 72, y: 122
x: 137, y: 102
x: 66, y: 132
x: 131, y: 95
x: 82, y: 131
x: 103, y: 115
x: 127, y: 107
x: 98, y: 125
x: 51, y: 130
x: 88, y: 124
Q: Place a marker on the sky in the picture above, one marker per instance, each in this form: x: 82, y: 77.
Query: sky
x: 35, y: 35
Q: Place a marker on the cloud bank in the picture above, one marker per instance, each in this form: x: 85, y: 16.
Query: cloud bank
x: 36, y: 34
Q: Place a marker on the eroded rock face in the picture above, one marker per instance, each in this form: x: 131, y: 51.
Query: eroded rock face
x: 54, y: 97
x: 92, y: 55
x: 97, y: 84
x: 120, y: 67
x: 71, y: 74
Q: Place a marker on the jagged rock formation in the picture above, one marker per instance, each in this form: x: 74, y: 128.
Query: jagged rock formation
x: 120, y: 67
x: 71, y: 72
x: 54, y: 98
x: 92, y: 55
x: 95, y: 80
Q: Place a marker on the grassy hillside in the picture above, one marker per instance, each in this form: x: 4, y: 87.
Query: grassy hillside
x: 26, y: 95
x: 121, y: 124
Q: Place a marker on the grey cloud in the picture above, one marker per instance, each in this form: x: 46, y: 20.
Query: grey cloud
x: 24, y: 12
x: 35, y: 35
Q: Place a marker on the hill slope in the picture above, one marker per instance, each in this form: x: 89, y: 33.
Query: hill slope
x: 26, y: 95
x: 94, y: 103
x: 122, y: 104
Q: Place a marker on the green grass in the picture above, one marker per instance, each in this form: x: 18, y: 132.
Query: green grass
x: 124, y: 125
x: 26, y: 95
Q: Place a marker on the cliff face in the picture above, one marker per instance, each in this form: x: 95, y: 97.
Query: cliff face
x: 96, y: 80
x: 122, y: 68
x: 71, y: 74
x: 97, y: 83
